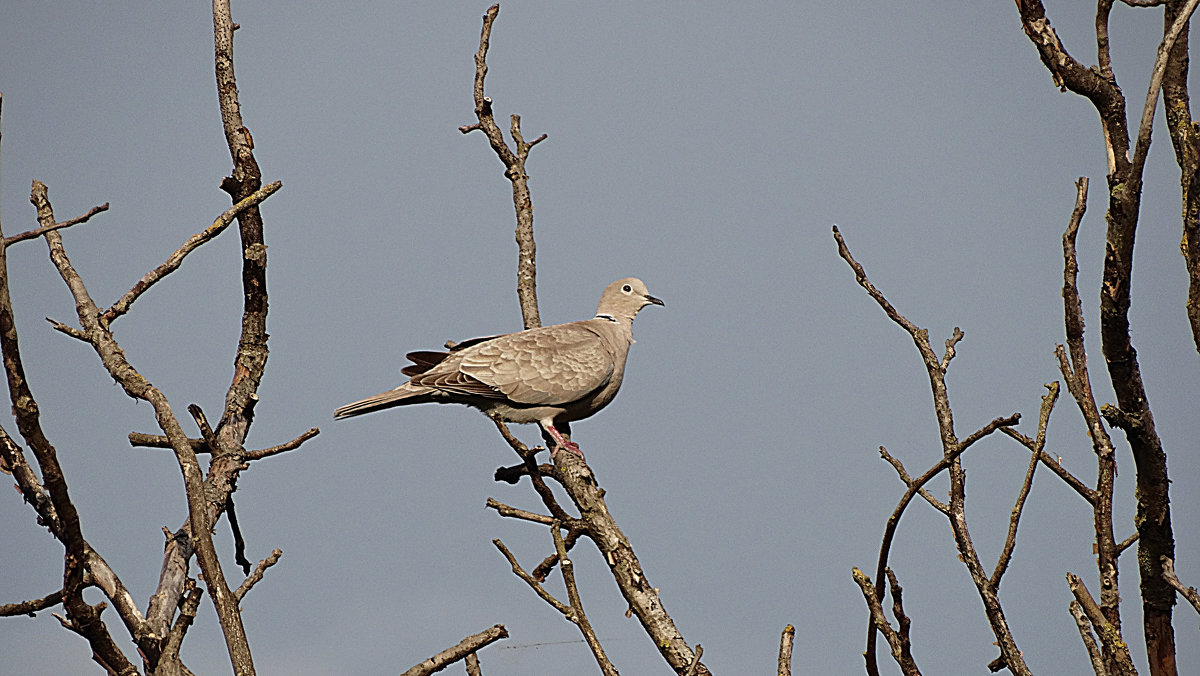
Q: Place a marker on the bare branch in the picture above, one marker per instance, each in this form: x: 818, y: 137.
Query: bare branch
x: 1055, y: 466
x: 38, y: 232
x: 1010, y: 540
x: 1156, y: 78
x: 952, y: 449
x: 880, y: 621
x: 175, y: 260
x: 643, y: 598
x: 514, y: 171
x: 785, y: 650
x: 255, y: 577
x: 1189, y: 593
x: 1113, y: 648
x: 1089, y: 641
x: 188, y: 606
x: 534, y: 472
x: 472, y: 663
x: 910, y: 482
x: 515, y: 513
x: 68, y: 330
x: 83, y: 617
x: 542, y: 570
x: 200, y: 446
x: 577, y: 615
x: 32, y: 606
x: 533, y: 584
x: 997, y: 423
x: 468, y: 646
x: 284, y: 447
x: 903, y: 623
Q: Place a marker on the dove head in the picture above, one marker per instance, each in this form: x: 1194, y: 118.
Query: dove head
x: 624, y: 298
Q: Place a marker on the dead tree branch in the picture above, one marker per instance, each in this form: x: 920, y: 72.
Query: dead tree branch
x: 1114, y: 651
x: 879, y: 620
x: 257, y: 576
x: 32, y: 606
x: 175, y: 260
x: 38, y: 232
x: 514, y: 171
x: 464, y: 649
x: 1189, y: 593
x: 578, y: 616
x: 785, y: 650
x: 1014, y: 519
x: 952, y: 450
x: 1153, y: 520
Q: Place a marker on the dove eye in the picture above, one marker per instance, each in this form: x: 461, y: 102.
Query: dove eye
x: 627, y: 288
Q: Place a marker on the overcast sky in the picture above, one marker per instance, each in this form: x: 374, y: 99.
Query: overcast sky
x: 705, y: 147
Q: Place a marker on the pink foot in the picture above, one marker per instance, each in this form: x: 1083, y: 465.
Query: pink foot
x: 562, y: 442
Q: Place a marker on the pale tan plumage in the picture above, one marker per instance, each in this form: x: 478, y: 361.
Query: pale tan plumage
x: 552, y: 375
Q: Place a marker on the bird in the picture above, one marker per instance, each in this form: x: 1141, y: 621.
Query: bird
x: 552, y: 375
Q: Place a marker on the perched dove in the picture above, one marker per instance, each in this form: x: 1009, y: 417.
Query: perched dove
x: 553, y: 375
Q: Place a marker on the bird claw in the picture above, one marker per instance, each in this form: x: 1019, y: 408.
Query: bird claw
x: 570, y: 446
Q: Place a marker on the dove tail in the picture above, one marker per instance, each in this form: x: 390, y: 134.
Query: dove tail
x: 401, y: 396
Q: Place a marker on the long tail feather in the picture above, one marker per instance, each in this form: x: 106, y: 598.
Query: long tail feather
x: 401, y: 396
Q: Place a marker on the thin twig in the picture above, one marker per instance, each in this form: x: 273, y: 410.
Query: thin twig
x: 1189, y: 593
x: 175, y: 260
x: 909, y: 481
x: 578, y: 616
x: 255, y: 577
x: 284, y: 447
x: 84, y: 618
x: 38, y: 232
x: 1156, y: 77
x: 468, y: 646
x: 533, y: 584
x: 952, y: 449
x: 1014, y: 519
x: 32, y: 606
x: 1054, y: 465
x: 188, y: 606
x: 200, y: 446
x: 514, y: 170
x: 515, y: 513
x: 471, y: 661
x: 879, y: 620
x: 903, y: 622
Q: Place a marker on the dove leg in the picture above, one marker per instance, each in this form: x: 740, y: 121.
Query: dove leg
x: 559, y: 440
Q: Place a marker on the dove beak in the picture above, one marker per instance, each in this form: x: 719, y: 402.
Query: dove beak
x: 653, y: 301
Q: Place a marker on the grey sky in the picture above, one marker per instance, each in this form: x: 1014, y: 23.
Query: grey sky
x: 704, y: 147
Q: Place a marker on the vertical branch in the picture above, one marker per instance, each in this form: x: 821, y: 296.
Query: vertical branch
x: 899, y: 645
x: 580, y: 618
x: 514, y: 171
x: 1075, y: 373
x: 84, y: 618
x: 786, y: 639
x: 952, y: 449
x: 1153, y: 520
x: 251, y: 358
x: 1186, y: 140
